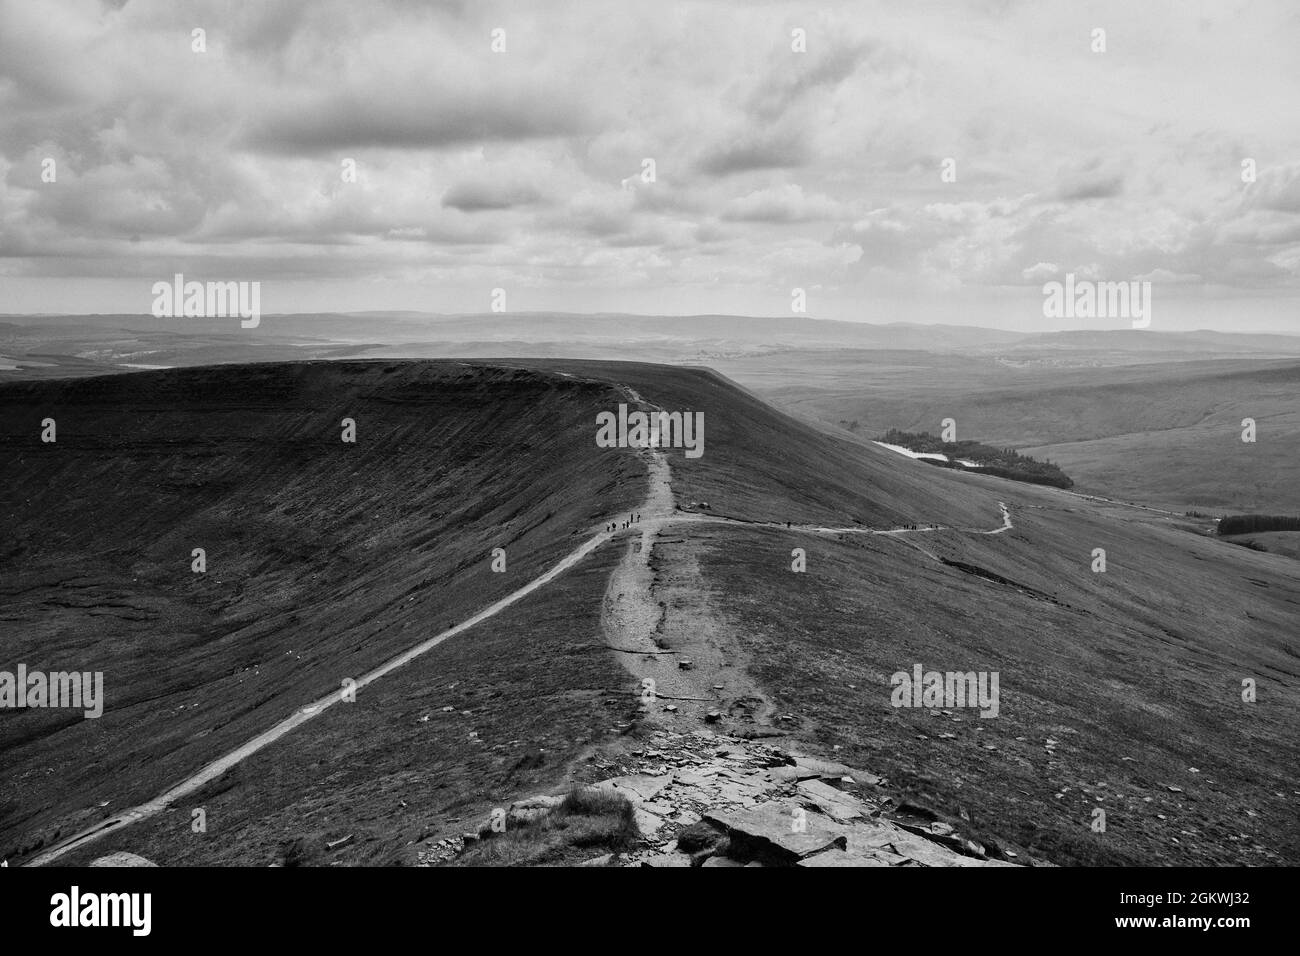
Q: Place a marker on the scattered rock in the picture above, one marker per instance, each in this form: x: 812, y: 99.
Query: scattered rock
x: 638, y: 787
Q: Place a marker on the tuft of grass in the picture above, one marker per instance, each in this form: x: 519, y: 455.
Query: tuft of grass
x: 702, y: 841
x: 302, y: 851
x: 589, y: 821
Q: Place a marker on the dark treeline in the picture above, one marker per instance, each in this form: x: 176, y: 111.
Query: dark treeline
x: 1246, y: 524
x: 1000, y: 462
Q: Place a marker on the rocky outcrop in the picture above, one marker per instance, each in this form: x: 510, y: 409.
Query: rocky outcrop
x: 706, y: 799
x: 771, y: 807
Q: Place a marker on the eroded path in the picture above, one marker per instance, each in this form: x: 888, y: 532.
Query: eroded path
x: 697, y: 518
x: 659, y: 617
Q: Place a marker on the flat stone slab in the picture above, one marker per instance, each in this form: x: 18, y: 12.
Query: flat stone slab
x: 789, y: 774
x: 836, y: 804
x: 690, y: 779
x: 872, y: 837
x: 647, y: 823
x: 668, y: 859
x: 773, y: 830
x: 638, y: 786
x: 927, y: 853
x: 844, y: 858
x: 737, y: 791
x: 822, y: 768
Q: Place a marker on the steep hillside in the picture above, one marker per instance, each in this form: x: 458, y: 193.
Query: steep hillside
x: 323, y: 558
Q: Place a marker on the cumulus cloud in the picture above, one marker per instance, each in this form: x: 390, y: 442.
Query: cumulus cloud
x: 772, y: 167
x: 1041, y: 271
x: 484, y: 196
x: 785, y: 203
x: 1096, y: 179
x: 407, y: 119
x: 756, y: 149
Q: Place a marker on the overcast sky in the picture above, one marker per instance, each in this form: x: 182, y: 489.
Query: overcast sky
x: 773, y: 169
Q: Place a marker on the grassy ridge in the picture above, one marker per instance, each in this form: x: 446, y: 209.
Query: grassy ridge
x: 750, y: 449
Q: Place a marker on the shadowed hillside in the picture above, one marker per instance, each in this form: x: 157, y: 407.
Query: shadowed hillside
x: 323, y: 558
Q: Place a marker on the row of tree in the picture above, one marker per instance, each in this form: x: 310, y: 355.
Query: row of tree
x: 1001, y: 462
x: 1249, y: 524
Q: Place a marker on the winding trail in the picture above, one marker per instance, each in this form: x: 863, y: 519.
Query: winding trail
x: 696, y: 518
x: 640, y: 614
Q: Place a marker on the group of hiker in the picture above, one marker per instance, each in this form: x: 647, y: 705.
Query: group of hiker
x: 622, y: 526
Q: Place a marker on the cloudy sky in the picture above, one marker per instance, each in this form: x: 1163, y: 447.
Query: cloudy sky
x: 773, y: 169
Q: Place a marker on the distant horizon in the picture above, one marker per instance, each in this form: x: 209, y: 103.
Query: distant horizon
x: 682, y: 315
